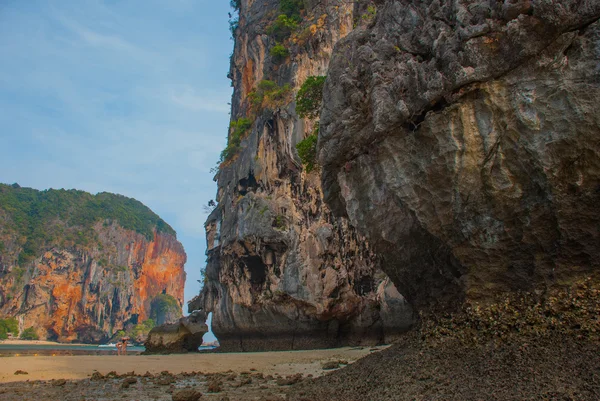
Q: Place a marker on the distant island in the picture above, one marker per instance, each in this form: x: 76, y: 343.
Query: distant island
x: 77, y: 267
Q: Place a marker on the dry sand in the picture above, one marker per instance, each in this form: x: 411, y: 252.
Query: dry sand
x: 268, y: 363
x: 37, y: 342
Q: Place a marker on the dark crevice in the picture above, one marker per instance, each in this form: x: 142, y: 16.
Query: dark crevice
x: 414, y: 123
x: 257, y: 269
x: 365, y: 285
x: 247, y: 184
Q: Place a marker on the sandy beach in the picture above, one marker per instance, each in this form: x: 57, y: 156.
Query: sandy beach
x: 218, y: 376
x: 82, y: 367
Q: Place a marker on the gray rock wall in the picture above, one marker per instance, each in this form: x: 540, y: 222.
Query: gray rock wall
x: 461, y: 137
x: 283, y: 272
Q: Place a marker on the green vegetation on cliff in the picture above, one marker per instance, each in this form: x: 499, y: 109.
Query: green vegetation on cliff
x: 307, y: 150
x: 310, y: 97
x: 269, y: 95
x: 164, y: 308
x: 29, y: 334
x: 239, y: 130
x: 9, y: 325
x: 286, y: 22
x: 66, y: 217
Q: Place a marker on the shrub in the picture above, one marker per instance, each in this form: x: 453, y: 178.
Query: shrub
x: 235, y: 4
x: 307, y: 150
x: 8, y: 325
x: 269, y: 95
x: 238, y: 130
x: 234, y: 23
x: 282, y: 27
x: 279, y: 52
x: 310, y: 97
x: 29, y: 334
x: 279, y: 222
x: 292, y: 8
x: 140, y: 331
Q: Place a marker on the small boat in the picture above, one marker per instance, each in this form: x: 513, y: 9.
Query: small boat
x: 109, y: 345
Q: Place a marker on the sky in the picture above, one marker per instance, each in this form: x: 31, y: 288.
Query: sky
x: 123, y: 96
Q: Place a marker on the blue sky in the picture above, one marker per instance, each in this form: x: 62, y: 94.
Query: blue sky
x: 124, y: 96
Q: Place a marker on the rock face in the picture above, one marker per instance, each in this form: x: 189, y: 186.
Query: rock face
x: 181, y: 337
x: 461, y: 137
x: 283, y: 272
x: 87, y: 288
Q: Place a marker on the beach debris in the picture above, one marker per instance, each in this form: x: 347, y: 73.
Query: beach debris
x: 272, y: 397
x: 21, y: 372
x: 128, y: 381
x: 244, y: 381
x: 59, y: 382
x: 188, y: 394
x: 97, y: 376
x: 330, y: 365
x: 165, y: 380
x: 215, y: 386
x: 289, y: 380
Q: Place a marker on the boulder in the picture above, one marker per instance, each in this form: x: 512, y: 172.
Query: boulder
x: 181, y: 337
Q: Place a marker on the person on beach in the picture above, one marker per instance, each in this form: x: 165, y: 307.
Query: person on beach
x: 123, y: 345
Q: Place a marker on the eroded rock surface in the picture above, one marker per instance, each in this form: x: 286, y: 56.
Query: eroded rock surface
x: 283, y: 272
x: 461, y: 137
x: 181, y: 337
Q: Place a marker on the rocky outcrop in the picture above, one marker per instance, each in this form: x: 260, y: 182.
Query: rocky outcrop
x: 461, y: 137
x: 283, y: 272
x: 84, y: 282
x: 176, y: 338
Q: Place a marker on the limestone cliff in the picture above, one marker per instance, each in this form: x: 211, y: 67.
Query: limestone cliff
x: 283, y: 272
x: 461, y: 137
x: 71, y: 269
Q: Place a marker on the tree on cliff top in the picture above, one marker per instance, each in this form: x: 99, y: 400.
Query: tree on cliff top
x: 51, y: 217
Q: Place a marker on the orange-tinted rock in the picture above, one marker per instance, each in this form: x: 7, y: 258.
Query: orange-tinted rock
x: 87, y: 294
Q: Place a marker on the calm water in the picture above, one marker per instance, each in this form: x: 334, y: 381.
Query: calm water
x: 12, y: 347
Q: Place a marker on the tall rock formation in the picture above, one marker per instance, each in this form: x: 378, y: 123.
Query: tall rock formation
x: 78, y: 267
x: 461, y: 137
x: 283, y: 272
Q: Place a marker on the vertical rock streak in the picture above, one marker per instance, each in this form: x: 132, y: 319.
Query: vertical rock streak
x: 87, y: 294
